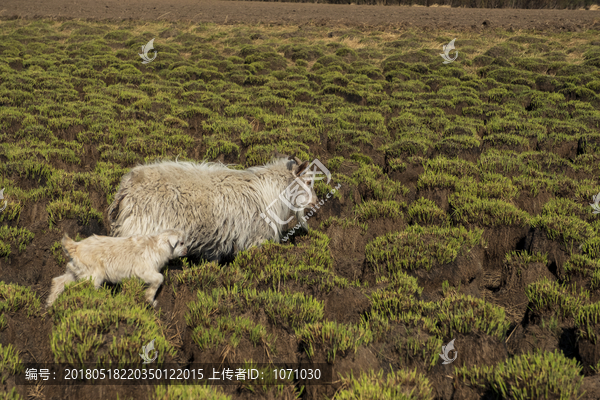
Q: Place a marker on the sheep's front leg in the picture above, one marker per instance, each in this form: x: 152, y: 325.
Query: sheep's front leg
x: 98, y: 280
x: 154, y: 279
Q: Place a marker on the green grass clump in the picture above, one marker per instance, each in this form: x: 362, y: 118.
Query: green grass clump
x: 429, y: 324
x: 12, y: 395
x: 567, y: 207
x: 567, y: 227
x: 76, y: 204
x: 442, y: 318
x: 396, y: 164
x: 524, y: 258
x: 216, y: 317
x: 465, y: 314
x: 546, y: 296
x: 454, y: 144
x: 409, y: 145
x: 399, y: 384
x: 424, y: 211
x: 582, y: 265
x: 586, y: 322
x: 494, y: 186
x: 183, y: 392
x: 21, y: 237
x: 401, y: 282
x: 418, y: 344
x: 343, y: 223
x: 9, y: 362
x: 286, y: 309
x: 283, y: 309
x: 373, y: 209
x: 486, y: 185
x: 528, y: 376
x: 591, y: 247
x: 334, y: 163
x: 468, y: 209
x: 14, y: 297
x: 501, y: 161
x: 535, y: 181
x: 209, y: 275
x: 217, y: 147
x: 452, y: 166
x: 99, y: 327
x: 61, y: 189
x: 229, y: 331
x: 307, y: 263
x: 432, y: 179
x: 333, y: 337
x: 421, y: 247
x: 515, y: 126
x: 382, y: 187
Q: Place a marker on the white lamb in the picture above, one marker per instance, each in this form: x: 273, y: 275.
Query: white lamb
x: 113, y: 259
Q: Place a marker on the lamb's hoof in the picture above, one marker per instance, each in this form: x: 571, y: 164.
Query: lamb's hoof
x: 154, y: 303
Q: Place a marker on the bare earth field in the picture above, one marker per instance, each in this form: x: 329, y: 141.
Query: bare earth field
x: 463, y: 211
x: 223, y: 12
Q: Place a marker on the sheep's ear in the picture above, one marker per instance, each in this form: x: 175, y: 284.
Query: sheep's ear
x: 301, y: 168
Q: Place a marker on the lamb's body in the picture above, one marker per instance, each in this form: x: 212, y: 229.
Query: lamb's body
x: 218, y: 208
x: 104, y: 258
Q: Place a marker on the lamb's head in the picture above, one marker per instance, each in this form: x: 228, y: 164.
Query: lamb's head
x: 176, y: 238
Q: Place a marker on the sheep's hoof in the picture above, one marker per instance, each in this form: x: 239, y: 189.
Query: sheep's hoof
x: 154, y: 303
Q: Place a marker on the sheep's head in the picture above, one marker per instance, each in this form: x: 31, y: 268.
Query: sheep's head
x: 301, y: 195
x: 301, y: 172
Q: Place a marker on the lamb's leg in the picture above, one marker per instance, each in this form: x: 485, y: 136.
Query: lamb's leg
x: 154, y: 279
x: 58, y: 286
x: 84, y: 272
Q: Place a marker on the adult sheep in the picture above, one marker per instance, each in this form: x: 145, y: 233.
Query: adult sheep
x: 221, y: 210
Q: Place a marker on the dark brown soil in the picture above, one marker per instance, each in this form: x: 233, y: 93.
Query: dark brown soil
x: 224, y: 12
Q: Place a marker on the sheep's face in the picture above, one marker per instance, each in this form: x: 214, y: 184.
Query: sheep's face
x: 314, y: 200
x: 307, y: 197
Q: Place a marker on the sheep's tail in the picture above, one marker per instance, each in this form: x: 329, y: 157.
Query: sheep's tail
x: 68, y: 245
x: 115, y: 210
